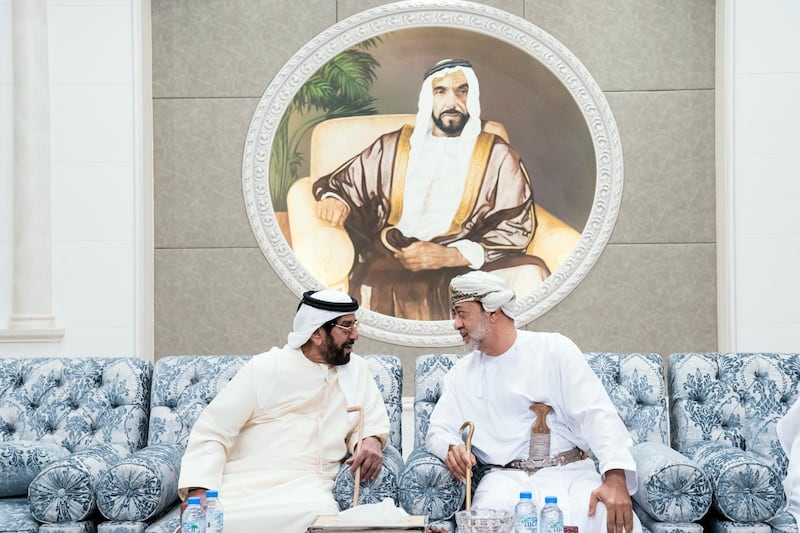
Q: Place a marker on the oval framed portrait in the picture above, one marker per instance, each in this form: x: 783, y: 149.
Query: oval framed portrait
x: 414, y: 142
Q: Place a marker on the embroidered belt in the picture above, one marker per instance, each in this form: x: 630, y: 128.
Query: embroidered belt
x: 533, y: 465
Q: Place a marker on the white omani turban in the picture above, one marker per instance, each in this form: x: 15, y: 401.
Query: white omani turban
x: 317, y: 308
x: 491, y: 291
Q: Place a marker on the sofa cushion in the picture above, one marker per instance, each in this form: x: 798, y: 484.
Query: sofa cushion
x: 142, y: 485
x: 783, y: 522
x: 373, y: 491
x: 16, y: 517
x: 745, y: 488
x: 64, y: 490
x: 428, y: 488
x: 123, y: 526
x: 21, y: 461
x: 672, y: 488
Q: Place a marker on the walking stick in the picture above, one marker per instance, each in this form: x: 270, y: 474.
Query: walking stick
x: 357, y: 448
x: 468, y: 473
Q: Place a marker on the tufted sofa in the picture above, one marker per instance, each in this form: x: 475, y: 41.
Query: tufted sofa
x: 673, y: 492
x: 724, y: 408
x: 139, y: 492
x: 63, y: 423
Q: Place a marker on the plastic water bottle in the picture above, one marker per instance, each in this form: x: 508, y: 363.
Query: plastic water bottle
x: 525, y: 515
x: 194, y: 517
x: 214, y: 514
x: 551, y: 519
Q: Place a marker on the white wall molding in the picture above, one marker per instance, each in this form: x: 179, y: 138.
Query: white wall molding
x: 31, y: 318
x: 144, y: 319
x: 725, y: 176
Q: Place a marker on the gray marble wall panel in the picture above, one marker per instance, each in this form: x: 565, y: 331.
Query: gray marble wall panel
x: 668, y: 149
x: 635, y: 45
x: 654, y: 287
x: 219, y: 301
x: 198, y: 144
x: 642, y: 298
x: 223, y: 48
x: 348, y: 8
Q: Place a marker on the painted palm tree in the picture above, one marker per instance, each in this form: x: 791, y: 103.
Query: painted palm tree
x: 340, y: 88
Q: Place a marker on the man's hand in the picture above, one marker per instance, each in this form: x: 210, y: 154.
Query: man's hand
x: 333, y: 211
x: 426, y: 255
x: 193, y: 493
x: 458, y: 460
x: 369, y: 458
x: 614, y: 494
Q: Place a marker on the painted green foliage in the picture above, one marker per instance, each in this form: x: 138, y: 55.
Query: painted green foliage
x: 340, y: 88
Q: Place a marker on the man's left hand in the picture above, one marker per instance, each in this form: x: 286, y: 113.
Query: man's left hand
x: 426, y: 255
x: 614, y: 495
x: 369, y: 458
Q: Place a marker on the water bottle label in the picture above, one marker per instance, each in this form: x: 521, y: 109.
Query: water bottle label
x: 556, y: 527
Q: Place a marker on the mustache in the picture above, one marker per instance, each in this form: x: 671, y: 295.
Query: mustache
x: 452, y: 111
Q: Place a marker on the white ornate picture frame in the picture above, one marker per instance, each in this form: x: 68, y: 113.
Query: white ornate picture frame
x: 483, y: 22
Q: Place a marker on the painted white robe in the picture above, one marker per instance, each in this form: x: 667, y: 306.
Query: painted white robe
x: 496, y: 393
x: 788, y: 429
x: 273, y: 439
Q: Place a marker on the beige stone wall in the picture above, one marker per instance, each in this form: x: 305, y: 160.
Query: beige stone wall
x: 654, y: 287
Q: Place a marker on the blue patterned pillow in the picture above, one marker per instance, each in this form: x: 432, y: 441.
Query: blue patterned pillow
x: 21, y: 461
x: 672, y: 488
x: 374, y: 491
x: 745, y: 488
x: 142, y: 485
x: 64, y: 490
x: 428, y: 488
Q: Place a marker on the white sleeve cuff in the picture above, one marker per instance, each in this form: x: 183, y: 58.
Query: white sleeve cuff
x: 472, y: 252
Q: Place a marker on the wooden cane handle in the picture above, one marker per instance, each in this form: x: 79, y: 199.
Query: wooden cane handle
x: 541, y: 410
x: 468, y: 474
x: 357, y: 448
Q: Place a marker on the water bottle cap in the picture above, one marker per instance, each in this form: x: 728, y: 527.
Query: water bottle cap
x: 211, y: 494
x: 524, y: 495
x: 550, y: 499
x: 193, y: 500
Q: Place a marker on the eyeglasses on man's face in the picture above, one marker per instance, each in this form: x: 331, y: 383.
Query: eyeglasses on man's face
x: 348, y: 327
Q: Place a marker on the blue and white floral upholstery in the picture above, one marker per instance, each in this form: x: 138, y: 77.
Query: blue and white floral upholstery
x: 673, y: 491
x: 723, y: 409
x: 141, y: 492
x: 62, y: 422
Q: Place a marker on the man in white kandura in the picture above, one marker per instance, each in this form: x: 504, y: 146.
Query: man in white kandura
x: 495, y: 385
x: 273, y: 440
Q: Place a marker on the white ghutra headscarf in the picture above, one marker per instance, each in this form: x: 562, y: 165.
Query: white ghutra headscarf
x: 424, y: 123
x: 317, y: 308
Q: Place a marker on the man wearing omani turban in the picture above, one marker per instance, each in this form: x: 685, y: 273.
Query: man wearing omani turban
x: 423, y: 204
x: 273, y: 439
x: 508, y: 380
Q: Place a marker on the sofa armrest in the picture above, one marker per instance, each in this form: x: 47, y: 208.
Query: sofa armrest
x: 374, y: 491
x: 672, y: 487
x: 142, y: 485
x: 746, y: 489
x: 428, y: 488
x: 64, y: 491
